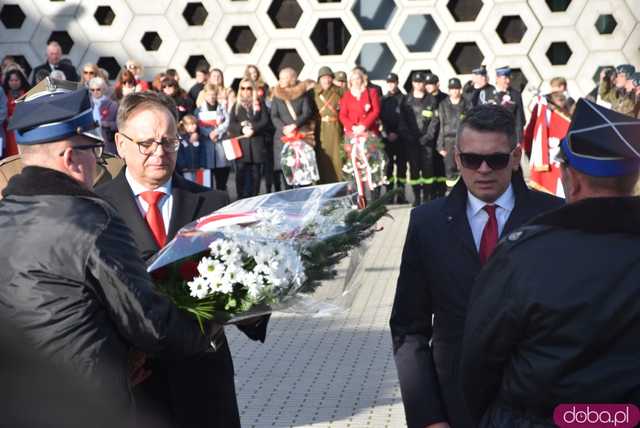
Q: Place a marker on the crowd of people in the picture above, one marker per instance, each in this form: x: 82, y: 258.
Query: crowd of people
x: 493, y: 320
x: 418, y: 128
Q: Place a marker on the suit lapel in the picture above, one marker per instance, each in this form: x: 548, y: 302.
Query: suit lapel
x: 456, y: 212
x: 185, y: 206
x: 520, y: 214
x: 129, y: 211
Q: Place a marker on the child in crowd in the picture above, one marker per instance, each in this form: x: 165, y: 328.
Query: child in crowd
x: 188, y: 161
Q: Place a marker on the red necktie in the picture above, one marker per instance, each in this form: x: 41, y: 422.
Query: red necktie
x: 154, y: 216
x: 489, y: 235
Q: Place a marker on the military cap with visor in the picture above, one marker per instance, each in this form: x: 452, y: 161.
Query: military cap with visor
x: 601, y: 142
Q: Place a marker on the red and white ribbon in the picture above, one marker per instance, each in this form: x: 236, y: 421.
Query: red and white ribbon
x: 361, y: 165
x: 216, y: 221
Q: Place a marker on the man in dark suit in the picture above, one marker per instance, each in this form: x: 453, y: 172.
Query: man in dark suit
x: 155, y: 203
x: 447, y: 243
x: 54, y: 56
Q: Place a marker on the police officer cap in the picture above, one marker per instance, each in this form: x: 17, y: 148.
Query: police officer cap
x: 481, y: 71
x: 325, y: 71
x: 52, y: 111
x: 503, y: 71
x: 431, y: 79
x: 601, y: 142
x: 392, y: 77
x: 341, y: 76
x: 455, y: 83
x: 627, y: 69
x: 418, y: 76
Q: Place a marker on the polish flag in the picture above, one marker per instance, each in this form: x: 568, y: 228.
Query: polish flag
x: 203, y: 177
x: 232, y: 149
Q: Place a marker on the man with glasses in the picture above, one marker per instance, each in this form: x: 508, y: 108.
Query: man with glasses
x: 155, y: 203
x: 448, y: 242
x: 553, y: 318
x: 71, y: 276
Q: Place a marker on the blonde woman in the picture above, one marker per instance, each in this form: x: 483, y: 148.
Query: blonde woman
x: 252, y: 73
x: 213, y: 121
x: 89, y: 71
x: 360, y: 105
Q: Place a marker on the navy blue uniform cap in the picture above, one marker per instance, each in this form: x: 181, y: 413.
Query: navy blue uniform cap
x: 503, y: 71
x: 601, y: 142
x: 52, y: 111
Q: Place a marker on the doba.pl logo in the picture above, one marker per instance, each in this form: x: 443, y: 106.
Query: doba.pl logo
x: 596, y: 415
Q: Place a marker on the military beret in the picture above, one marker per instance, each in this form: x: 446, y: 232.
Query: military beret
x: 52, y: 111
x: 601, y: 142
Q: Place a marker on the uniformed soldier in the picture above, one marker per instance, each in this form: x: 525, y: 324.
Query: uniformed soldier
x: 554, y: 317
x: 420, y: 125
x: 328, y: 128
x: 479, y: 90
x: 617, y: 89
x: 439, y: 175
x: 394, y: 145
x: 511, y: 99
x: 451, y: 111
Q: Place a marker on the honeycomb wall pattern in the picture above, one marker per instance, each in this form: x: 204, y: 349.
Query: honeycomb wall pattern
x: 540, y: 39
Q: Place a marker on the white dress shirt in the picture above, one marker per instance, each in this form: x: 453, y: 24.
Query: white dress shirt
x: 165, y: 204
x: 478, y: 217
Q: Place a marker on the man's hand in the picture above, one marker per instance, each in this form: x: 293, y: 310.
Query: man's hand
x: 438, y: 425
x: 137, y: 372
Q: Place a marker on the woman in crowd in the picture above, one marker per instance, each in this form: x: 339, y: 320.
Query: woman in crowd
x: 125, y: 85
x: 291, y: 114
x: 104, y: 112
x: 156, y: 83
x: 252, y: 73
x: 89, y: 71
x: 15, y: 85
x: 248, y: 120
x: 213, y: 121
x: 171, y: 88
x: 189, y: 157
x: 359, y: 106
x: 216, y: 78
x: 138, y: 72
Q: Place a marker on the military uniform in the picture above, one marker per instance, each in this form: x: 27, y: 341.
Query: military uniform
x: 450, y: 116
x: 554, y: 315
x: 439, y: 187
x: 620, y: 99
x: 329, y: 133
x: 420, y: 125
x: 391, y: 116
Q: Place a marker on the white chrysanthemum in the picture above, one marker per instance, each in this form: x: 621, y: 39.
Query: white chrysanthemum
x: 198, y: 287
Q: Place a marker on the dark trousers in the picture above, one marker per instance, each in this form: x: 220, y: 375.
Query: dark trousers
x: 397, y: 156
x: 190, y: 393
x: 267, y: 167
x: 279, y: 183
x: 247, y: 179
x: 221, y: 177
x: 440, y: 176
x: 422, y: 171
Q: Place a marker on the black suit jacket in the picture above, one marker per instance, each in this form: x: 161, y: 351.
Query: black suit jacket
x: 439, y: 265
x: 69, y: 71
x: 199, y: 392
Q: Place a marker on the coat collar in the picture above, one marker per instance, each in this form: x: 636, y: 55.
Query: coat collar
x: 456, y: 208
x: 596, y: 215
x: 35, y: 180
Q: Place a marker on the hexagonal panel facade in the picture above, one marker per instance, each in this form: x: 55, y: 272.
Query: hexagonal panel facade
x: 374, y: 14
x: 420, y: 33
x: 541, y: 38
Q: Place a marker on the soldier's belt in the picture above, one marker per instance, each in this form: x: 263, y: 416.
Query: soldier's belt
x: 329, y: 119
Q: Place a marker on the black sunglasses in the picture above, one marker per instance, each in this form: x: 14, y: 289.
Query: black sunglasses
x: 495, y: 160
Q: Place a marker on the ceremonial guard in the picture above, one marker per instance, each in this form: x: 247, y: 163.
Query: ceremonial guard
x: 617, y: 89
x: 420, y: 126
x: 328, y: 127
x: 511, y: 99
x: 394, y: 144
x: 479, y: 91
x: 553, y: 317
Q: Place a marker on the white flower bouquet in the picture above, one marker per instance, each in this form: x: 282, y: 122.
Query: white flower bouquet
x: 269, y: 253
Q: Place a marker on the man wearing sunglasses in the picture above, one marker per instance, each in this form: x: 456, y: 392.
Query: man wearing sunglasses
x: 155, y: 203
x: 71, y: 276
x: 448, y: 242
x: 554, y: 316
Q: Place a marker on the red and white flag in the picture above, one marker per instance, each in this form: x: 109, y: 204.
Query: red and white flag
x: 203, y: 177
x: 549, y: 128
x: 232, y: 149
